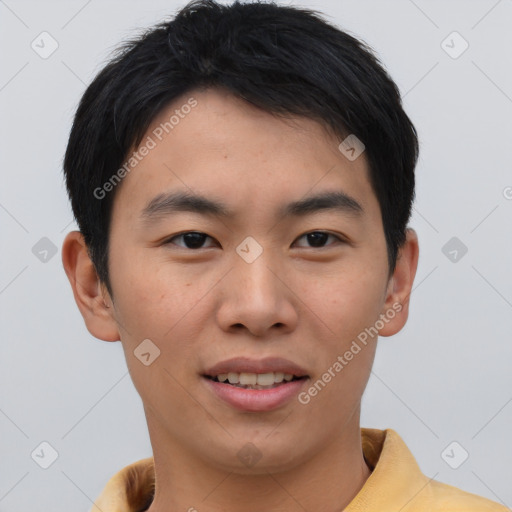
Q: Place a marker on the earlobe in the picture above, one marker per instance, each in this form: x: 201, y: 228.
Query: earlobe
x: 396, y: 306
x: 87, y: 289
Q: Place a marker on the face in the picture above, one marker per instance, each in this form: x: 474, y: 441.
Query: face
x: 257, y: 277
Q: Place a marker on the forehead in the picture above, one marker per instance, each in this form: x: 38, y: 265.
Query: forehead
x: 214, y: 144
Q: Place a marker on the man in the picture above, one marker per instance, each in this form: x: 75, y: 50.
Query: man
x: 242, y: 177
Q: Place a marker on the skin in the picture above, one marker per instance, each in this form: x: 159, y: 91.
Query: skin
x: 201, y: 306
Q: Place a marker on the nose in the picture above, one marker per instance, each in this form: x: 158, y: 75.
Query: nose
x: 256, y: 298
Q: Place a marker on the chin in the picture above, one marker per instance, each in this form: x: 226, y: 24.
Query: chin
x: 261, y: 456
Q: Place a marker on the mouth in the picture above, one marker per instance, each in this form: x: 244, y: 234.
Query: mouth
x: 255, y: 385
x: 246, y: 380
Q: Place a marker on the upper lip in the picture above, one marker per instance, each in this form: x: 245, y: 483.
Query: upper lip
x: 247, y: 365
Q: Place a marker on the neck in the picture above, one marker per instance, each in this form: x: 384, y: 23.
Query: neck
x: 325, y: 482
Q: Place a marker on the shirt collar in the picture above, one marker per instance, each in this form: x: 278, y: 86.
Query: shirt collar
x: 395, y: 480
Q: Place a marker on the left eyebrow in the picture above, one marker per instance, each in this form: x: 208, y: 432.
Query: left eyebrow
x: 338, y: 201
x: 167, y: 203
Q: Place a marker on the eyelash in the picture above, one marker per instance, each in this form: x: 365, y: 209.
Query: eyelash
x: 169, y: 240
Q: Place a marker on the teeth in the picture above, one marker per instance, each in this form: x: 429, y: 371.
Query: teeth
x: 265, y: 379
x: 252, y: 379
x: 234, y: 378
x: 248, y: 379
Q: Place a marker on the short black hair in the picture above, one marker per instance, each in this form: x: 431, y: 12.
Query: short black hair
x: 285, y: 60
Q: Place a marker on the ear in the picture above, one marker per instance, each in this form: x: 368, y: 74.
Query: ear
x: 91, y: 297
x: 396, y: 305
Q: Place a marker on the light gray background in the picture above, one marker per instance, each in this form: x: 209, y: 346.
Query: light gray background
x: 446, y: 377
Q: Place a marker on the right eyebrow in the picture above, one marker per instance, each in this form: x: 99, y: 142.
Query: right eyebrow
x: 167, y: 203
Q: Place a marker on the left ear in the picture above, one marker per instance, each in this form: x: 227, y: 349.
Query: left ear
x: 396, y: 305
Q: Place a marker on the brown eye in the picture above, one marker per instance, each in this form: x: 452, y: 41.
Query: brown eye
x: 191, y: 240
x: 319, y: 238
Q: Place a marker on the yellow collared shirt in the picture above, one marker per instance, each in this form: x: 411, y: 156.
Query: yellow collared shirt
x: 396, y: 484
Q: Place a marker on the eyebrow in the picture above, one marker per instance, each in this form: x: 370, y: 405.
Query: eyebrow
x: 165, y: 204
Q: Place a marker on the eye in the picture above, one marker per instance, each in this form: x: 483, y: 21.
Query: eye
x: 191, y: 240
x: 319, y: 238
x: 196, y: 239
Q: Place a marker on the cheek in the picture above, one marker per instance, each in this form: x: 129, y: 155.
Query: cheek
x: 347, y: 304
x: 347, y: 301
x: 154, y: 304
x: 159, y: 301
x: 151, y: 296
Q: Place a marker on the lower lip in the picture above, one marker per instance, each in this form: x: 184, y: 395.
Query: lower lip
x: 256, y: 400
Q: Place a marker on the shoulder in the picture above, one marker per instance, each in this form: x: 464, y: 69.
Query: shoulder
x: 447, y: 498
x: 398, y: 484
x: 131, y: 488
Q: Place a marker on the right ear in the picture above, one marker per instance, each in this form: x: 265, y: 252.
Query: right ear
x: 90, y: 295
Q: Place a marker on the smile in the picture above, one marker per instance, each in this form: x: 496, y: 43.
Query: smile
x: 246, y: 380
